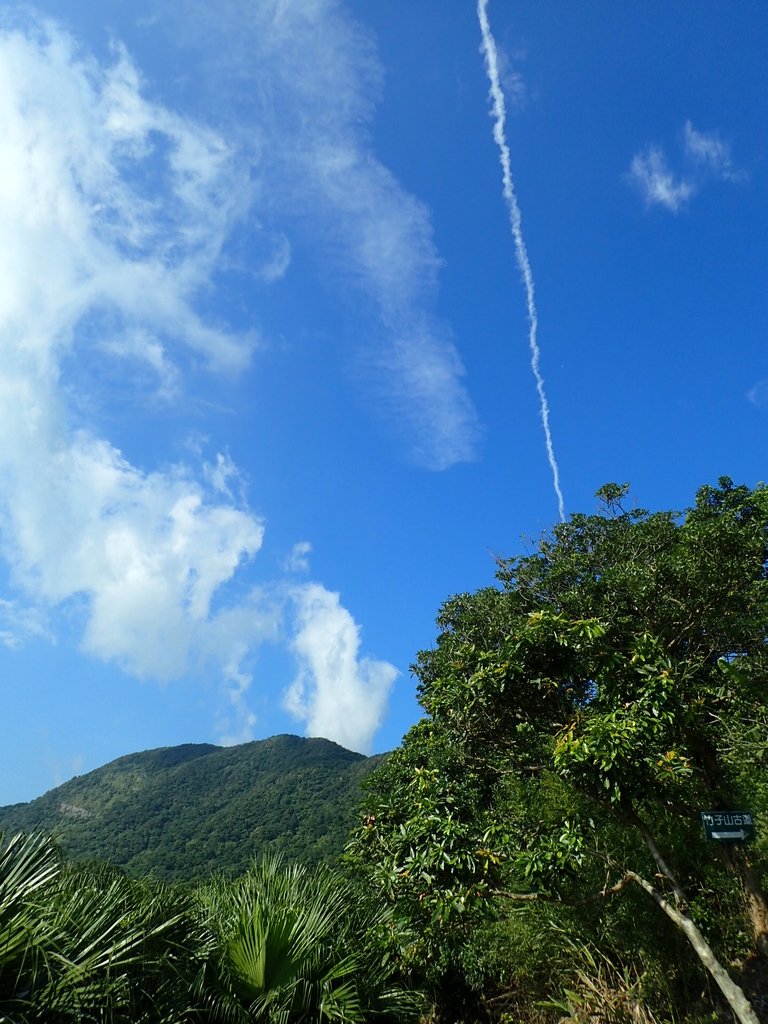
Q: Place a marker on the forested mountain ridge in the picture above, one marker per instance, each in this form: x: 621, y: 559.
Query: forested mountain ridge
x: 187, y: 811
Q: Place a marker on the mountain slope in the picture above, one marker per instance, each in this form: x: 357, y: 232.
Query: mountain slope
x: 188, y: 811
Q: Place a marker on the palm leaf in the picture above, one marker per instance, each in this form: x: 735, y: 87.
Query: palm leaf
x: 28, y: 865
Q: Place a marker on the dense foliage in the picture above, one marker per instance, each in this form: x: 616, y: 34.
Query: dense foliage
x: 182, y: 813
x: 281, y: 945
x: 538, y: 833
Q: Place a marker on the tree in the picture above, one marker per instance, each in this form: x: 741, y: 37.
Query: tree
x: 614, y: 685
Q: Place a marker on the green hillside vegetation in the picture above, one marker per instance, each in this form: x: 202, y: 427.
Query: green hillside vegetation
x: 183, y: 813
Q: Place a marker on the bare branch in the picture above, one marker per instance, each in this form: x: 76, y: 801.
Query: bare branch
x: 605, y: 893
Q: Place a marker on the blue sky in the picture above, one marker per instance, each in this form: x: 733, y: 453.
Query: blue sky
x: 266, y: 395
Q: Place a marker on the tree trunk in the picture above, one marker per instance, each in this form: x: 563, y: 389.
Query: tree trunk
x: 757, y: 905
x: 679, y: 914
x: 680, y: 898
x: 737, y: 1001
x: 758, y: 908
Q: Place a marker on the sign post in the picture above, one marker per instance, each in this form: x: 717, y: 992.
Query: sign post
x: 728, y: 826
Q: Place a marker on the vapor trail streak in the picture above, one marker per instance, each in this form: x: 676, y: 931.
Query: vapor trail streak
x: 515, y: 220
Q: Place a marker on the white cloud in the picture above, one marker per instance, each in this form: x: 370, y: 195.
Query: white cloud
x: 19, y: 624
x: 237, y: 723
x: 146, y: 551
x: 230, y: 644
x: 275, y: 265
x: 311, y: 79
x: 709, y: 151
x: 384, y: 245
x: 758, y: 393
x: 147, y: 351
x: 656, y: 182
x: 337, y: 693
x: 706, y: 158
x: 84, y: 229
x: 221, y: 474
x: 84, y: 236
x: 114, y: 213
x: 298, y: 559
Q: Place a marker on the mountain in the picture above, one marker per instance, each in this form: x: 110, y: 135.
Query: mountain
x: 185, y: 812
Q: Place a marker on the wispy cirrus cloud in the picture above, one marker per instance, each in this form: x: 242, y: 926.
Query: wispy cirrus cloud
x: 758, y: 393
x: 19, y: 624
x: 298, y: 558
x: 114, y: 214
x: 705, y: 158
x: 710, y: 153
x: 302, y: 79
x: 657, y: 184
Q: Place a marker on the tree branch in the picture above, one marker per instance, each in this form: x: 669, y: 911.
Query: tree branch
x: 605, y: 893
x: 632, y: 818
x: 734, y: 995
x: 679, y: 916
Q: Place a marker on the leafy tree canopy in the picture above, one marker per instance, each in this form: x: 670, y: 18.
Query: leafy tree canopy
x: 579, y: 716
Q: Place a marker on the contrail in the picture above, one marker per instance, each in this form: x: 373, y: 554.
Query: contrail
x: 515, y: 220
